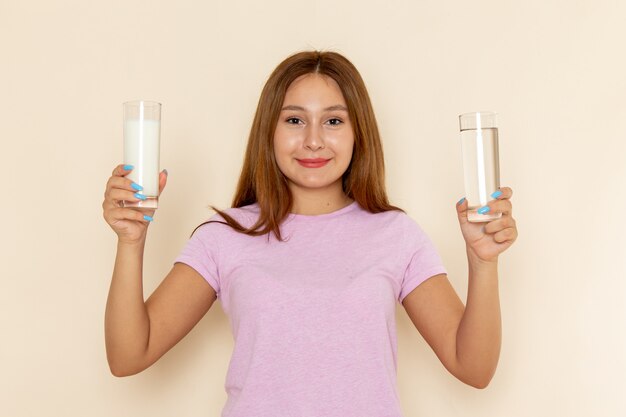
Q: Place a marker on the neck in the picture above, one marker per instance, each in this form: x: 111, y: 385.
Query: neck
x: 312, y: 204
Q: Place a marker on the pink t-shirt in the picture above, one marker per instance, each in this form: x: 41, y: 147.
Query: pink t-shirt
x: 313, y: 318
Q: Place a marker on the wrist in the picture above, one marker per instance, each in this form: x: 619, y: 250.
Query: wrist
x: 477, y: 262
x: 131, y: 244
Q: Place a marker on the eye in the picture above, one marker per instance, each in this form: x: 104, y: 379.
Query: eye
x: 293, y: 121
x: 334, y: 121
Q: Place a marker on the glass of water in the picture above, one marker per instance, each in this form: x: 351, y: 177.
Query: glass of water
x: 481, y: 167
x: 142, y: 134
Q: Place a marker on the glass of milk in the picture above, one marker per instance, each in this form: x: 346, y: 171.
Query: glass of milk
x: 142, y: 127
x: 481, y: 167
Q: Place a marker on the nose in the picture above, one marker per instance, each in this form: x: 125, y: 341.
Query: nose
x: 314, y: 139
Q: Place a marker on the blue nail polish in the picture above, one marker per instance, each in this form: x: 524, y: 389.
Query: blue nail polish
x: 140, y: 196
x: 461, y: 201
x: 136, y: 187
x: 483, y: 210
x: 496, y: 194
x: 148, y: 218
x: 128, y: 167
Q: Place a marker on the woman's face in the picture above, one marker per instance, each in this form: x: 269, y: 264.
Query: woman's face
x: 313, y: 125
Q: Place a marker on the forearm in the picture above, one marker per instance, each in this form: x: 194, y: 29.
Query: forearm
x: 127, y: 324
x: 479, y: 333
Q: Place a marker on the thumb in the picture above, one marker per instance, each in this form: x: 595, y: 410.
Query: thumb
x: 162, y: 180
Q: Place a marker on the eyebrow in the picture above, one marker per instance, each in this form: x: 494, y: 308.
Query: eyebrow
x: 331, y: 108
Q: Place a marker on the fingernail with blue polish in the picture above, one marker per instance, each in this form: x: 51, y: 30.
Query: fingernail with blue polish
x: 136, y: 187
x: 128, y: 167
x: 147, y: 218
x: 461, y: 201
x: 140, y: 196
x: 496, y: 194
x: 483, y: 210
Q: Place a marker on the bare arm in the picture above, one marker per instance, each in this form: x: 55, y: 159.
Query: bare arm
x: 138, y: 333
x: 467, y: 339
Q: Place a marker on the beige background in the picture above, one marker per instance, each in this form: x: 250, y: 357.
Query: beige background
x: 554, y: 71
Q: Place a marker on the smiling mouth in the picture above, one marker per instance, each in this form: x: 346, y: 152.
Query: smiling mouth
x: 313, y: 163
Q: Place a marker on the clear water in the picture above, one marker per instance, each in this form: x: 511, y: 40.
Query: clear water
x: 481, y: 169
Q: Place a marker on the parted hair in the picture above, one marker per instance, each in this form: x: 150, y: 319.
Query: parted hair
x: 261, y: 180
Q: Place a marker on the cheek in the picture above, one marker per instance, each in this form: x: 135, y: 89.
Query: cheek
x: 279, y: 143
x: 345, y: 146
x: 285, y: 141
x: 282, y: 152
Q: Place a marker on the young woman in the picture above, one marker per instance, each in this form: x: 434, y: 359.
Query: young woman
x: 308, y: 263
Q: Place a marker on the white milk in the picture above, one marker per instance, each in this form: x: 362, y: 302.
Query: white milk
x: 141, y: 149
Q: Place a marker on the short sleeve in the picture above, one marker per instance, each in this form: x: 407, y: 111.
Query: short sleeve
x: 201, y: 252
x: 423, y: 259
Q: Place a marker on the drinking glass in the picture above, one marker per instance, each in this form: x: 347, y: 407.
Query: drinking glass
x: 481, y: 167
x: 142, y: 134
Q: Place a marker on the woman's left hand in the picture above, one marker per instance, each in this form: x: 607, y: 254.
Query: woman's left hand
x: 488, y: 240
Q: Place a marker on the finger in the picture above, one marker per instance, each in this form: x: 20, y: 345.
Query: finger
x: 117, y: 195
x: 506, y: 193
x: 149, y: 212
x: 121, y: 213
x: 115, y: 184
x: 499, y: 206
x: 502, y: 223
x: 122, y: 183
x: 506, y: 235
x: 461, y: 210
x: 122, y: 170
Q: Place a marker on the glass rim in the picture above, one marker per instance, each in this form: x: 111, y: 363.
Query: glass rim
x: 481, y: 113
x: 138, y: 102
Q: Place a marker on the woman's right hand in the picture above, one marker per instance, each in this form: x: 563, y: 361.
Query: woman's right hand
x: 129, y: 223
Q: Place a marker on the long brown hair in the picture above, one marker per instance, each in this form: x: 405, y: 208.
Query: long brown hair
x: 262, y: 182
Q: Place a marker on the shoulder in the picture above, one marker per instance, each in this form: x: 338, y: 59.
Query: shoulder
x: 392, y: 224
x: 402, y: 226
x: 246, y: 216
x: 391, y: 218
x: 243, y: 215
